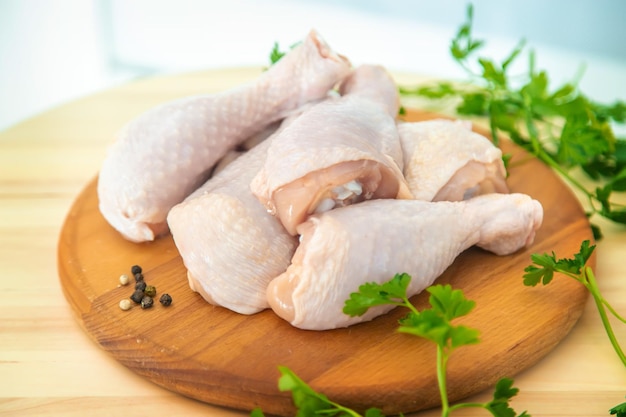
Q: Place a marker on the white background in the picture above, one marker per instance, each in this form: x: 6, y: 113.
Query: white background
x: 52, y: 51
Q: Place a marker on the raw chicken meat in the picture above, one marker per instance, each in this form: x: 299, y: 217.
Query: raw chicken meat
x: 164, y: 154
x: 226, y: 160
x: 336, y: 153
x: 374, y: 82
x: 373, y: 240
x: 262, y: 135
x: 445, y: 160
x: 230, y: 245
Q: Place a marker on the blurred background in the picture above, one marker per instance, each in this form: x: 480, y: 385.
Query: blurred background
x: 52, y: 51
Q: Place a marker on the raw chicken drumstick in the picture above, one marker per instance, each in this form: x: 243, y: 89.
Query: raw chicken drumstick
x: 371, y: 241
x: 230, y: 245
x: 336, y: 153
x: 160, y: 157
x: 445, y: 160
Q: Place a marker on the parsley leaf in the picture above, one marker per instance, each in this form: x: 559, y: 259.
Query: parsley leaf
x: 439, y: 90
x: 449, y: 303
x: 546, y: 265
x: 373, y: 294
x: 305, y: 398
x: 432, y: 326
x: 257, y: 412
x: 311, y: 403
x: 463, y: 44
x: 619, y: 410
x: 434, y: 323
x: 276, y: 54
x: 499, y: 405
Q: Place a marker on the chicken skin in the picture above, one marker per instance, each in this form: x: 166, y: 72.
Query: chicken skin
x: 445, y: 160
x: 164, y: 154
x: 373, y: 240
x: 338, y: 152
x: 230, y: 245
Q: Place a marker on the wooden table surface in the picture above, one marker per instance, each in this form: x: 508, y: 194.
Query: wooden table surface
x: 50, y: 367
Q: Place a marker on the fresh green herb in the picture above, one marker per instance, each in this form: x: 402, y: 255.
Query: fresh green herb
x: 463, y: 44
x: 392, y: 292
x: 545, y: 266
x: 619, y: 410
x: 309, y: 402
x: 434, y: 324
x: 276, y: 54
x: 563, y: 128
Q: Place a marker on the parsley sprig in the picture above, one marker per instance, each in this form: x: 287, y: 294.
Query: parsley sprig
x: 546, y: 265
x: 276, y: 54
x: 619, y: 410
x: 308, y: 402
x: 542, y: 271
x: 563, y: 128
x: 434, y: 324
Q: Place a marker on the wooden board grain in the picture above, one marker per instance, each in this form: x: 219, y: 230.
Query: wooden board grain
x: 223, y: 358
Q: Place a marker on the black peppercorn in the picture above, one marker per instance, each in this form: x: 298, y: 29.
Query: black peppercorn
x: 150, y: 290
x: 138, y: 277
x: 137, y: 296
x: 146, y: 302
x: 136, y: 269
x: 165, y: 300
x: 140, y: 285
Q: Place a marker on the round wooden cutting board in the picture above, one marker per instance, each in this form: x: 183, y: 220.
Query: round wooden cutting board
x: 224, y: 358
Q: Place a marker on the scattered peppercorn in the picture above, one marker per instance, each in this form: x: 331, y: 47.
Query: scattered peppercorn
x: 144, y: 294
x: 146, y: 302
x: 137, y: 296
x: 140, y: 285
x: 150, y: 290
x: 124, y: 279
x: 165, y: 300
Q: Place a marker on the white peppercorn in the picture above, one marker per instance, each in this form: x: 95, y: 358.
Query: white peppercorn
x: 125, y: 304
x: 124, y: 280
